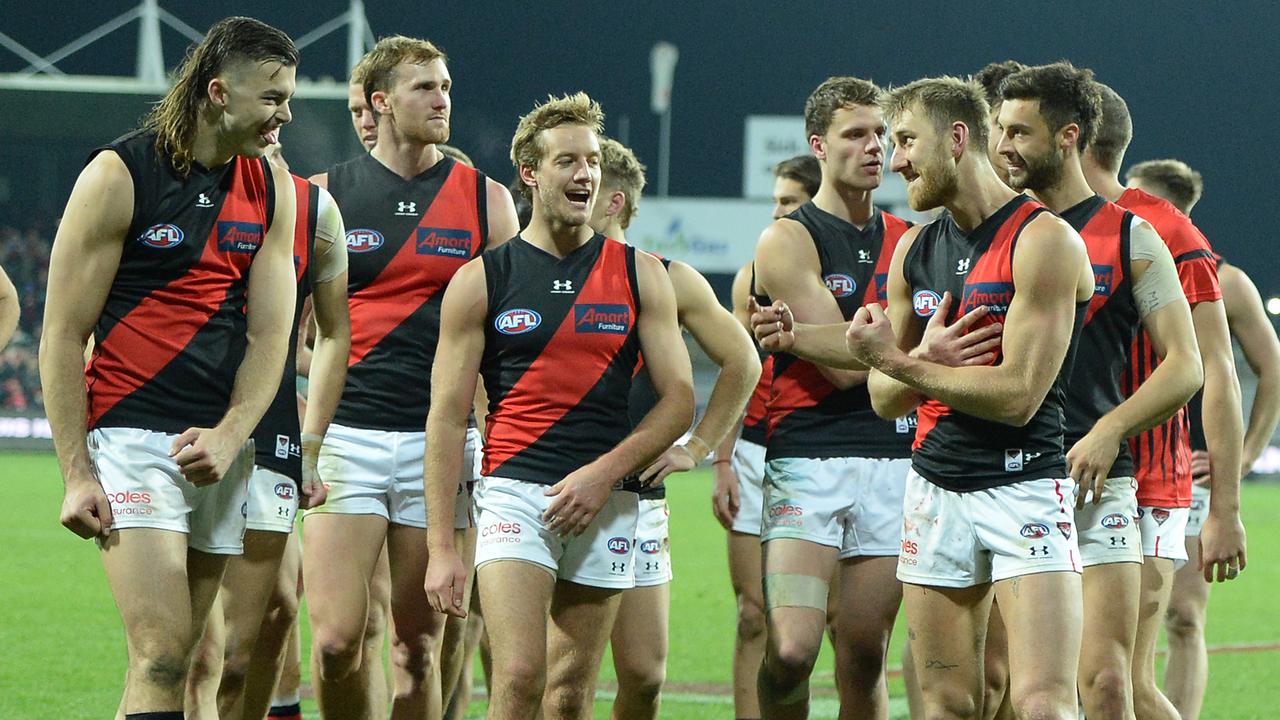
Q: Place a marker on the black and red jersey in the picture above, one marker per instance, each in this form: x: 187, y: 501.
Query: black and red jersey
x: 278, y: 437
x: 1162, y: 455
x: 755, y: 423
x: 954, y: 450
x: 173, y: 329
x: 808, y: 416
x: 405, y: 240
x: 1110, y: 324
x: 561, y: 348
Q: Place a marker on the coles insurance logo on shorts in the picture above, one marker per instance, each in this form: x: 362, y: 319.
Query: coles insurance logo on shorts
x: 840, y: 285
x: 443, y: 241
x: 239, y: 237
x: 161, y: 236
x: 363, y: 240
x: 618, y: 545
x: 594, y: 318
x: 517, y: 321
x: 925, y: 302
x: 130, y: 503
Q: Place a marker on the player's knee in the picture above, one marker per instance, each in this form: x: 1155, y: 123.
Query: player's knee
x: 167, y: 668
x: 792, y: 659
x: 863, y: 661
x: 520, y: 683
x: 1107, y: 687
x: 414, y: 654
x: 751, y: 624
x: 950, y: 704
x: 569, y: 700
x: 642, y: 682
x: 1046, y: 704
x: 1183, y: 623
x: 337, y: 653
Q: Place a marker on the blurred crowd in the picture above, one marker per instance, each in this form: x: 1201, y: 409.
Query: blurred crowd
x: 24, y: 255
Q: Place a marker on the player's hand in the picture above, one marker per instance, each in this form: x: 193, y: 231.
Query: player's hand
x: 1222, y: 546
x: 958, y: 344
x: 773, y: 326
x: 870, y: 337
x: 204, y: 455
x: 676, y: 459
x: 446, y: 582
x: 1201, y: 468
x: 86, y: 511
x: 314, y: 492
x: 578, y: 498
x: 1089, y: 462
x: 726, y: 497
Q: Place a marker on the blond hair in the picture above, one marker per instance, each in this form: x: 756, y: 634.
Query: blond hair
x: 577, y: 109
x: 377, y: 69
x: 1181, y: 184
x: 621, y: 170
x: 943, y: 100
x: 230, y: 40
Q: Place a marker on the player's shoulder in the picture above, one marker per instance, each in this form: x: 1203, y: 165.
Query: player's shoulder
x: 784, y: 237
x: 1176, y: 229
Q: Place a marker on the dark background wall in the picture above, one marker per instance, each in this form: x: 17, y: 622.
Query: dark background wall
x: 1200, y: 78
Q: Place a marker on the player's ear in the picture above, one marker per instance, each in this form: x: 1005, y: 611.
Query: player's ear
x: 526, y: 176
x: 1069, y: 136
x: 378, y: 101
x: 959, y: 139
x: 617, y: 199
x: 217, y: 92
x: 818, y: 147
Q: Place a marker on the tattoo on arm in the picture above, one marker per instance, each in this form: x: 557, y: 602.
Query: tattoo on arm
x: 940, y: 665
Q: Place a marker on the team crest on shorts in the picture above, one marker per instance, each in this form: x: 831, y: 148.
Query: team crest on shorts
x: 1065, y: 529
x: 1159, y: 515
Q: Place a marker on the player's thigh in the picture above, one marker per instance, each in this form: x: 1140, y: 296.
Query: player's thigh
x: 146, y: 569
x: 1190, y: 594
x: 1157, y: 582
x: 745, y: 570
x: 639, y: 637
x: 869, y: 597
x: 581, y: 619
x: 338, y: 559
x: 946, y: 629
x: 250, y: 579
x: 796, y: 590
x: 1042, y: 610
x: 1110, y: 615
x: 406, y: 552
x: 516, y: 598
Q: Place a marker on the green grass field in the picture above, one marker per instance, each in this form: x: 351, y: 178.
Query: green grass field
x: 64, y: 649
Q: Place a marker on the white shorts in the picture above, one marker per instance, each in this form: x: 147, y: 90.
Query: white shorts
x: 853, y: 504
x: 1109, y: 530
x: 273, y: 501
x: 509, y: 518
x: 748, y: 463
x: 1198, y: 510
x: 652, y: 561
x: 379, y: 472
x: 146, y: 490
x: 1164, y: 532
x: 952, y: 539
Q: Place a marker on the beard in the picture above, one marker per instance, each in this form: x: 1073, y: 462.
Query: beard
x: 1039, y: 173
x: 935, y: 186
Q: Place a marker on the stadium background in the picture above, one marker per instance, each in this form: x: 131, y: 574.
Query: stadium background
x: 1198, y: 79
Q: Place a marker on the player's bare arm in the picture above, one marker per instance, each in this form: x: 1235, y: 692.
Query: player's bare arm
x: 86, y: 256
x: 725, y: 490
x: 321, y: 179
x: 788, y: 271
x: 1166, y: 316
x: 205, y: 454
x: 1222, y: 538
x: 1036, y: 336
x: 328, y: 361
x: 453, y: 389
x: 581, y: 495
x: 720, y: 335
x: 1247, y: 319
x: 9, y: 309
x: 503, y: 221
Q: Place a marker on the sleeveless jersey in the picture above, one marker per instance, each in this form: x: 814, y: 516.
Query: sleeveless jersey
x: 808, y: 416
x: 1162, y: 455
x: 1110, y: 323
x: 954, y: 450
x: 405, y: 240
x: 1195, y: 418
x: 173, y: 329
x: 278, y: 437
x: 755, y: 422
x: 560, y: 352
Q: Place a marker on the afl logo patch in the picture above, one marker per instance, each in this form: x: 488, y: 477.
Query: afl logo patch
x: 517, y: 321
x: 284, y: 491
x: 362, y: 240
x: 925, y: 302
x: 619, y: 545
x: 650, y: 547
x: 1115, y: 521
x: 1034, y: 530
x: 161, y: 236
x: 840, y: 285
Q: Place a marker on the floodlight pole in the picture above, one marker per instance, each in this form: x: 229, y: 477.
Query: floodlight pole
x: 150, y: 67
x: 662, y: 67
x: 357, y: 30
